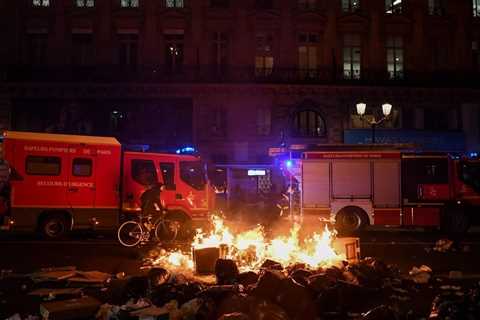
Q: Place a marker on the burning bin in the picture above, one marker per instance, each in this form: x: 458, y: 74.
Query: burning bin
x: 205, y: 258
x: 349, y: 246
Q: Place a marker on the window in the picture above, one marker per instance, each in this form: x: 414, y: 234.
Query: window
x: 352, y: 56
x: 395, y: 57
x: 219, y: 53
x: 436, y: 7
x: 37, y: 48
x: 42, y: 166
x: 476, y: 8
x: 308, y: 123
x: 128, y: 49
x: 308, y: 54
x: 174, y: 50
x: 470, y: 174
x: 193, y: 173
x: 264, y: 55
x: 174, y: 3
x: 168, y: 175
x: 41, y: 3
x: 85, y: 3
x: 264, y: 4
x: 417, y: 171
x: 83, y: 50
x: 350, y: 5
x: 264, y: 121
x: 144, y: 172
x: 393, y: 6
x: 129, y: 3
x: 219, y: 3
x: 82, y: 167
x: 307, y: 4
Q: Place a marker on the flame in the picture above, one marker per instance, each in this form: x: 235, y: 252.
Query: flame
x: 251, y: 248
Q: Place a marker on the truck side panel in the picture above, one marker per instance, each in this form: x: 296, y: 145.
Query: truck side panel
x: 316, y: 184
x: 351, y: 179
x: 32, y: 189
x: 386, y: 184
x: 66, y: 178
x: 386, y: 192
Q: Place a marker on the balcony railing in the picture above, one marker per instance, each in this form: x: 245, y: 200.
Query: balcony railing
x: 224, y: 74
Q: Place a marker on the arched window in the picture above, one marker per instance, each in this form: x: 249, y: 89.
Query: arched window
x: 308, y: 123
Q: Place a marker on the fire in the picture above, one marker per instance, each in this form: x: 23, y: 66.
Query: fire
x: 174, y: 260
x: 251, y: 248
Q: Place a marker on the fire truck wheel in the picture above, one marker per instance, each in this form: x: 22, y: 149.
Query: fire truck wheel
x: 350, y: 220
x: 54, y: 226
x: 455, y: 220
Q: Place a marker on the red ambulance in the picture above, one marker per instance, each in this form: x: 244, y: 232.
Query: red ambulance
x: 59, y: 183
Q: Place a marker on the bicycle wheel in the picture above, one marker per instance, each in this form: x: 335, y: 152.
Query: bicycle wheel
x: 166, y: 229
x: 130, y: 233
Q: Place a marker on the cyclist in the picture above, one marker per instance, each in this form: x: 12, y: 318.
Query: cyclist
x: 151, y: 199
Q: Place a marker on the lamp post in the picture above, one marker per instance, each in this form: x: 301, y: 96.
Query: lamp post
x: 386, y: 109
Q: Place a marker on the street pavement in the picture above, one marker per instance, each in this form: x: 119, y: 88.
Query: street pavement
x: 405, y: 248
x: 102, y: 252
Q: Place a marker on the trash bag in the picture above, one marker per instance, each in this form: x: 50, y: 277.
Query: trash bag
x: 247, y: 278
x: 234, y: 316
x: 226, y: 271
x: 421, y: 275
x: 379, y: 313
x: 180, y: 293
x: 301, y: 276
x: 234, y: 303
x: 268, y: 311
x: 296, y: 300
x: 320, y: 282
x: 271, y: 265
x: 269, y: 285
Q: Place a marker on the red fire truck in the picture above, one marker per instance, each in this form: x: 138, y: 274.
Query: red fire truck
x: 356, y: 186
x: 59, y: 183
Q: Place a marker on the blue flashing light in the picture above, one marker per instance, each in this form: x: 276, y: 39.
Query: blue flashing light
x: 185, y: 150
x: 473, y: 154
x: 289, y: 163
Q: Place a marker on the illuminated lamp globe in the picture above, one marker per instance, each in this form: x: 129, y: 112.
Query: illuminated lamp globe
x: 361, y: 108
x: 387, y: 109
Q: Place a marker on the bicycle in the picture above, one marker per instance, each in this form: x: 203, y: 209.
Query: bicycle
x: 132, y: 232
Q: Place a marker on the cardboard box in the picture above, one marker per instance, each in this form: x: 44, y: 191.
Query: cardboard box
x: 349, y: 246
x: 81, y: 308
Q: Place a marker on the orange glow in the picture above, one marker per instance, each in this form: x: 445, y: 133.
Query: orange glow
x: 251, y: 248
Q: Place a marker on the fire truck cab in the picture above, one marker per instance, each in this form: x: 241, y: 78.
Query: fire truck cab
x: 58, y: 183
x: 356, y: 186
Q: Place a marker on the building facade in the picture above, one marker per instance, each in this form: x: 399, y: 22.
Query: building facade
x: 234, y: 78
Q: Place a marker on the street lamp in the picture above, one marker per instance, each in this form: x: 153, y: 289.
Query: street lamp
x: 386, y: 109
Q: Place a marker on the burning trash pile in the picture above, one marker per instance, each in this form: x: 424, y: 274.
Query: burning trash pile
x: 247, y: 276
x: 249, y: 249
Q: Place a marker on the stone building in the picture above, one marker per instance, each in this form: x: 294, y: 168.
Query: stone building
x: 234, y: 78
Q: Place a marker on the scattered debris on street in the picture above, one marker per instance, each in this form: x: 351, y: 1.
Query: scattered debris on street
x: 365, y: 289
